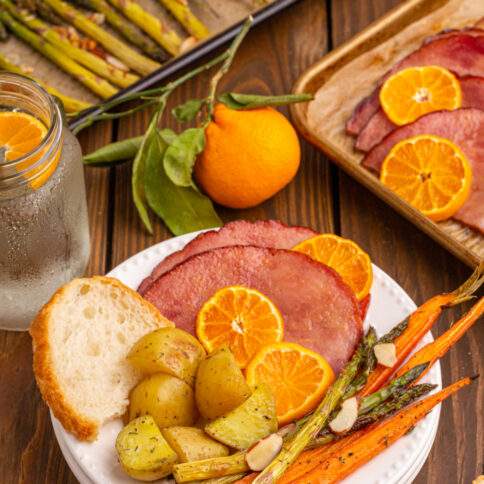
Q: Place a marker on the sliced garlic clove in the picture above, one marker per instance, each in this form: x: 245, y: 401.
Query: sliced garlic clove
x: 346, y: 416
x: 264, y: 452
x: 386, y: 354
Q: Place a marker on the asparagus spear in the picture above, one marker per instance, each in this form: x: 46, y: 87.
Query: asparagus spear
x: 291, y: 450
x: 71, y: 105
x: 39, y: 8
x: 128, y: 30
x: 99, y: 86
x: 380, y: 412
x: 3, y: 33
x: 91, y: 61
x: 182, y: 12
x: 234, y: 464
x: 139, y: 63
x: 166, y: 37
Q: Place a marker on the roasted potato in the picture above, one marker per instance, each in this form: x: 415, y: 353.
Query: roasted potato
x: 249, y: 422
x: 143, y: 452
x: 168, y: 350
x: 220, y: 384
x: 167, y: 399
x: 192, y: 444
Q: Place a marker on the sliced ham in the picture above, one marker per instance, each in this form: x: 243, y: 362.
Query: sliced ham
x: 379, y: 125
x: 320, y: 311
x: 263, y: 233
x: 465, y: 128
x: 463, y: 54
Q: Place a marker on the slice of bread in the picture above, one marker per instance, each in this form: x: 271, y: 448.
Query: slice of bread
x: 80, y: 341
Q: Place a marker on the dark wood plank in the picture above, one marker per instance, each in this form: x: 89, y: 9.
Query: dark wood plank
x: 269, y: 61
x: 423, y: 269
x: 30, y: 453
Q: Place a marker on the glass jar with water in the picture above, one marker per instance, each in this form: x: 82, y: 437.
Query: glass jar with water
x: 44, y: 234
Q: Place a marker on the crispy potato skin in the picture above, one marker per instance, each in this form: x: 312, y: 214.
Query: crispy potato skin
x: 143, y: 452
x: 168, y: 350
x: 249, y: 422
x: 220, y: 385
x: 169, y: 400
x: 192, y: 444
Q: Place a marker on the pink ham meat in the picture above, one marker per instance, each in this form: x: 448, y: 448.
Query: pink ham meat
x: 319, y: 310
x: 263, y: 233
x: 463, y: 54
x: 379, y: 125
x: 465, y: 128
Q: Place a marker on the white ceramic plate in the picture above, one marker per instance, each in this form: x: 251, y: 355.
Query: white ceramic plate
x: 96, y: 462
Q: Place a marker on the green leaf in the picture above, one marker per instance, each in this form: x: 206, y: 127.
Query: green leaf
x: 236, y: 100
x: 183, y: 209
x: 114, y: 153
x: 138, y: 175
x: 168, y: 135
x: 180, y: 156
x: 188, y: 111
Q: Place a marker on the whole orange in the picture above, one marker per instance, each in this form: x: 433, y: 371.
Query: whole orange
x: 248, y: 157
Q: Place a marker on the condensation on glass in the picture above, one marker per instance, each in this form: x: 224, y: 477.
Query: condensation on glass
x: 44, y: 234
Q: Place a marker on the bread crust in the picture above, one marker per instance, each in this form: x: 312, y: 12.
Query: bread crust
x: 51, y: 390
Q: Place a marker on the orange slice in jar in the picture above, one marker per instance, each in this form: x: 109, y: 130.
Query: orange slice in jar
x: 241, y: 318
x: 299, y: 378
x: 346, y: 257
x: 415, y: 91
x: 21, y: 133
x: 430, y: 173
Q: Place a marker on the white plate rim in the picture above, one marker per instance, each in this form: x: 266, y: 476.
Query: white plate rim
x: 135, y: 268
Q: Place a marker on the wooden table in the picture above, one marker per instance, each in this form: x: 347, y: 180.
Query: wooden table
x: 321, y: 196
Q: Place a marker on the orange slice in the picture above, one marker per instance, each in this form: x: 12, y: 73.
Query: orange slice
x: 415, y: 91
x: 242, y: 319
x: 346, y: 257
x: 20, y: 133
x: 429, y: 172
x: 298, y: 377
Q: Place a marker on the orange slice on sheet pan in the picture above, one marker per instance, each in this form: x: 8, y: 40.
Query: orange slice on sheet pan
x: 429, y: 172
x: 415, y: 91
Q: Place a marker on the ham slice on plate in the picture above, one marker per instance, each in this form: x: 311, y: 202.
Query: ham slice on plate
x: 320, y: 311
x: 465, y: 128
x: 463, y: 54
x: 379, y: 125
x: 263, y: 233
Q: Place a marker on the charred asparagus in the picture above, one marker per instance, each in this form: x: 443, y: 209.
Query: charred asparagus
x: 166, y: 37
x: 128, y: 30
x: 91, y: 61
x: 182, y: 12
x: 71, y: 105
x: 99, y: 86
x: 139, y: 63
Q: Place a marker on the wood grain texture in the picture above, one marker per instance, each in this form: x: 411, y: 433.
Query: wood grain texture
x: 422, y: 268
x: 273, y: 56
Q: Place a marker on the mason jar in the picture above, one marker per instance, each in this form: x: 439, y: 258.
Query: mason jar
x: 44, y: 233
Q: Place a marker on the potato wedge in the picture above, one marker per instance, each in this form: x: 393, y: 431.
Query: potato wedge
x: 220, y: 386
x: 249, y: 422
x: 143, y: 452
x: 169, y: 400
x: 193, y: 444
x: 168, y: 350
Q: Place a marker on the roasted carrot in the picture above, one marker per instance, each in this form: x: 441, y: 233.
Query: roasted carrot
x: 419, y: 323
x: 377, y: 439
x: 438, y: 348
